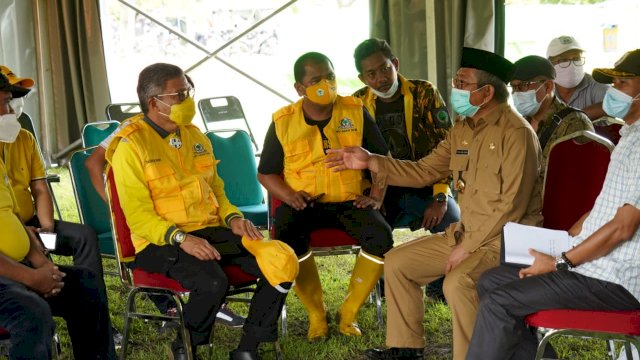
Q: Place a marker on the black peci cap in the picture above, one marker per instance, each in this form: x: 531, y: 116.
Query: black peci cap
x: 533, y: 66
x: 487, y: 61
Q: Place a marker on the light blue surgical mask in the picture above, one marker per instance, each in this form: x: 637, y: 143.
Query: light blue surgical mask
x: 616, y: 103
x: 461, y: 104
x: 526, y: 102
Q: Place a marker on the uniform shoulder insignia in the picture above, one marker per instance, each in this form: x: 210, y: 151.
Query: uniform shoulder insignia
x: 441, y: 118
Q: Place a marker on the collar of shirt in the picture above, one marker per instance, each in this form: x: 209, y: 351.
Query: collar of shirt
x: 629, y: 129
x: 491, y: 118
x: 162, y: 132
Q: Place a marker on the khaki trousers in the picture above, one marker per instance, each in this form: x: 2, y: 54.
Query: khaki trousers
x: 411, y: 265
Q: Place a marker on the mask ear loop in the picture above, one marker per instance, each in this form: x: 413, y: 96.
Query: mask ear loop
x: 479, y: 106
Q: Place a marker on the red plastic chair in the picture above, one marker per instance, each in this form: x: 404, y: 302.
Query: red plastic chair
x: 326, y: 242
x: 140, y: 282
x: 608, y: 128
x: 574, y: 176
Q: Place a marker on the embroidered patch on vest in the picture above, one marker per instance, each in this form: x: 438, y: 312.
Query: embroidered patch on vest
x: 346, y: 125
x: 175, y: 142
x: 199, y: 149
x: 464, y: 152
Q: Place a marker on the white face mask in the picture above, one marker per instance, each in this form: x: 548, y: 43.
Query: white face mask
x: 18, y: 106
x: 389, y: 93
x: 9, y: 128
x: 570, y: 76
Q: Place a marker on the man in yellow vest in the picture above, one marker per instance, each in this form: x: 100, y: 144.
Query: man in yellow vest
x: 32, y: 288
x: 182, y: 224
x: 292, y: 169
x: 26, y: 171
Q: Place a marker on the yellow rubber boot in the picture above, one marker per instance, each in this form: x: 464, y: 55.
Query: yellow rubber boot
x: 366, y: 273
x: 309, y: 291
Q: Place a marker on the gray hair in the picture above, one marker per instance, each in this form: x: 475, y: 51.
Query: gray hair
x: 152, y: 80
x: 501, y: 93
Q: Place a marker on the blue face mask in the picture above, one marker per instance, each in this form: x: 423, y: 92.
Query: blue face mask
x: 460, y: 102
x: 616, y: 103
x: 526, y: 102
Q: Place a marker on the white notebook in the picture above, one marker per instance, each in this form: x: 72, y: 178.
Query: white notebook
x: 517, y: 239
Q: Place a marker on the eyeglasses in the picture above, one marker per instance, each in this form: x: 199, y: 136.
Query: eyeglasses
x: 564, y: 63
x: 460, y: 84
x: 384, y: 70
x: 524, y: 85
x: 182, y: 94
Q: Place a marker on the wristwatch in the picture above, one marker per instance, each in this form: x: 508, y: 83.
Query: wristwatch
x: 561, y: 265
x: 178, y: 237
x: 441, y: 197
x: 563, y: 262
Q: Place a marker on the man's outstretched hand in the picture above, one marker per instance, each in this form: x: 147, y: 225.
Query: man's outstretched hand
x: 353, y: 157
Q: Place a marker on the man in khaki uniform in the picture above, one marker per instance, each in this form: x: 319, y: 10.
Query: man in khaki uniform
x: 534, y: 98
x: 494, y: 157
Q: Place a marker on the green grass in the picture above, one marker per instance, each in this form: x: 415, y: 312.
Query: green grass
x: 147, y: 344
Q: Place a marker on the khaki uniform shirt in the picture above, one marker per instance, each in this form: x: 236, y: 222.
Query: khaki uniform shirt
x: 575, y: 121
x: 495, y: 164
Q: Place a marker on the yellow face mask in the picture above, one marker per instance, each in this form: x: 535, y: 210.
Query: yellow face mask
x: 182, y: 113
x: 324, y: 92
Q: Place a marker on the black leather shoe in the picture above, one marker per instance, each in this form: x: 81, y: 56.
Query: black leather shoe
x: 394, y: 354
x: 243, y: 355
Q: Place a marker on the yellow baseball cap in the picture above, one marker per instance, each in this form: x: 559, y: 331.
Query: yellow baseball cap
x: 15, y: 80
x: 277, y: 260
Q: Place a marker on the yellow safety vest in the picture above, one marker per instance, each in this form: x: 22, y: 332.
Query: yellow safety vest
x: 179, y: 184
x: 304, y: 166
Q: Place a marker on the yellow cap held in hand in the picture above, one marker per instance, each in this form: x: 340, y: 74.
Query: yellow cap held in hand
x: 277, y: 260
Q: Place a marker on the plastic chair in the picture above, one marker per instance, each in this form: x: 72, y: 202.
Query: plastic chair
x: 238, y: 169
x: 328, y: 242
x: 122, y: 111
x: 225, y: 109
x: 140, y: 282
x: 27, y: 123
x: 92, y: 209
x: 608, y: 128
x: 93, y: 133
x: 574, y: 177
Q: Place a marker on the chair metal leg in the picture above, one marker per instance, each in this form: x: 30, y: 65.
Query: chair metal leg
x: 127, y: 321
x: 57, y: 347
x: 283, y: 321
x: 378, y: 298
x: 55, y: 202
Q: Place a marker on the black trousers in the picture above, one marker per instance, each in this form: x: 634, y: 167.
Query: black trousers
x: 505, y: 300
x: 77, y: 240
x: 366, y: 225
x: 83, y: 305
x: 208, y: 284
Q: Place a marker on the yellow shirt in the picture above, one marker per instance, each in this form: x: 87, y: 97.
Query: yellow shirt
x: 24, y: 164
x: 15, y: 241
x: 163, y: 186
x: 497, y: 161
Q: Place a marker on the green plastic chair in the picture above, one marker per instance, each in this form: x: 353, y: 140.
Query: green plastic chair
x: 123, y: 111
x: 93, y: 133
x: 92, y: 209
x: 239, y: 171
